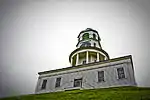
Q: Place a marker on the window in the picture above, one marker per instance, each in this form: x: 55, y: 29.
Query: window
x: 100, y: 76
x: 78, y: 82
x: 84, y: 62
x: 44, y: 84
x: 120, y: 72
x: 85, y: 36
x: 83, y: 45
x: 94, y: 36
x: 86, y: 44
x: 94, y: 44
x: 58, y: 80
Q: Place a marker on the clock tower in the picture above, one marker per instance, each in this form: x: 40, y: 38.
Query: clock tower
x: 90, y: 68
x: 89, y: 49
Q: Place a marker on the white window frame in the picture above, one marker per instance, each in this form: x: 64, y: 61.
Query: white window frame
x: 124, y: 68
x: 44, y: 83
x: 98, y: 76
x: 56, y: 82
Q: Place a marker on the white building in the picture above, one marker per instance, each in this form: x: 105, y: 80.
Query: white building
x: 91, y: 68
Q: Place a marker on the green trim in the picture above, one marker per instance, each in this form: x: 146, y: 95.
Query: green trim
x: 87, y: 65
x: 85, y: 36
x: 82, y: 48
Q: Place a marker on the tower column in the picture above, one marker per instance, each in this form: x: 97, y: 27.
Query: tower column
x: 71, y: 61
x: 77, y: 59
x: 87, y: 57
x: 97, y: 57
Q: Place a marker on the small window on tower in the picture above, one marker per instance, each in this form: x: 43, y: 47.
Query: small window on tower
x: 94, y: 44
x: 88, y: 44
x: 44, y: 84
x: 85, y: 36
x: 94, y: 36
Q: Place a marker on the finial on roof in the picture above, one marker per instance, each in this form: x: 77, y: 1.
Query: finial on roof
x: 89, y: 29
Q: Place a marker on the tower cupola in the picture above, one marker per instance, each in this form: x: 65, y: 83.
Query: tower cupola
x: 89, y: 49
x: 87, y: 38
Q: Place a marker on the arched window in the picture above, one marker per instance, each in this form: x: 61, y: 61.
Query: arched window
x: 94, y: 36
x: 85, y: 36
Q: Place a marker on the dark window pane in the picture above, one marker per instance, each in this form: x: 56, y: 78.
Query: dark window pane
x: 44, y: 84
x: 94, y: 36
x: 58, y: 80
x: 88, y: 44
x: 84, y: 62
x: 78, y: 82
x: 120, y: 73
x: 85, y: 44
x: 100, y: 76
x: 94, y: 44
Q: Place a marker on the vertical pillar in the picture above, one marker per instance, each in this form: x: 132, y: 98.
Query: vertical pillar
x: 97, y: 57
x: 87, y: 57
x: 77, y: 59
x: 71, y: 61
x: 105, y: 58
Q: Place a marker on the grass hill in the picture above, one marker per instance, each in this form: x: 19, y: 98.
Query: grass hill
x: 115, y: 93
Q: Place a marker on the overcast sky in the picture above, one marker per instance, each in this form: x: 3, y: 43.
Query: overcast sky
x: 39, y: 35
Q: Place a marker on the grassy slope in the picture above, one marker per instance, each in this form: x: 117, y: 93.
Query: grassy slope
x: 118, y: 93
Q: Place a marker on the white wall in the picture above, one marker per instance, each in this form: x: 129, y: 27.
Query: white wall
x: 90, y: 77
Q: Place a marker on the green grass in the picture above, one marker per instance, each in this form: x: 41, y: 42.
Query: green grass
x: 117, y: 93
